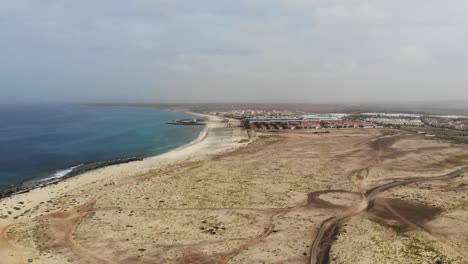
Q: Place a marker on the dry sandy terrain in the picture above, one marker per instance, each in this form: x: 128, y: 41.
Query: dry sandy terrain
x: 348, y: 196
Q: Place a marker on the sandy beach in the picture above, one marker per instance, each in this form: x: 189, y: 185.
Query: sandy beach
x: 344, y: 196
x: 215, y: 138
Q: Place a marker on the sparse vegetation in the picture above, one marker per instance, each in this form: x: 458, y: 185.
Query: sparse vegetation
x: 450, y: 135
x: 458, y: 160
x: 240, y: 199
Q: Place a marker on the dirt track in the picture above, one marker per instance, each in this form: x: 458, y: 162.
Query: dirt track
x: 319, y: 253
x: 329, y: 228
x: 285, y: 198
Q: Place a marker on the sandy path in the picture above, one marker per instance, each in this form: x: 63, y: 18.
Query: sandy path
x: 239, y: 207
x: 8, y: 252
x: 213, y: 139
x: 320, y: 248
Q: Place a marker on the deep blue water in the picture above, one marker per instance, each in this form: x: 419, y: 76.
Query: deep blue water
x: 39, y: 141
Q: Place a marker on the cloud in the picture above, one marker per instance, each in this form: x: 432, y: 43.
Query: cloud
x: 234, y: 50
x: 412, y: 54
x: 352, y: 13
x: 282, y: 3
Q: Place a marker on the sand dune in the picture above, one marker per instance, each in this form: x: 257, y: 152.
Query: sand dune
x: 348, y: 196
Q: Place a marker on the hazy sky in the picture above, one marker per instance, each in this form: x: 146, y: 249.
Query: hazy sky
x: 233, y: 50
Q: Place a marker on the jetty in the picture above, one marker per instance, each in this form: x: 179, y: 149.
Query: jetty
x: 187, y: 122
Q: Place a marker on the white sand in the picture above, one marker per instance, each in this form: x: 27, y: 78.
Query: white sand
x: 213, y: 139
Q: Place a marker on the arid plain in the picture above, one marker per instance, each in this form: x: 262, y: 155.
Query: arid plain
x: 339, y: 196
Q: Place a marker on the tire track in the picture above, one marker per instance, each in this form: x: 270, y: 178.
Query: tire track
x: 319, y: 251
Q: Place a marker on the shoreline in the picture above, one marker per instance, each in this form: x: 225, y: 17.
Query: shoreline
x: 15, y: 205
x: 78, y: 170
x: 74, y: 171
x: 271, y: 201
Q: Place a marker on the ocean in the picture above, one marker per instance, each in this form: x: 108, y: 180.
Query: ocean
x: 44, y: 142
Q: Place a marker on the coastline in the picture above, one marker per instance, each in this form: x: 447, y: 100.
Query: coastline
x: 81, y: 139
x: 242, y: 206
x: 62, y: 175
x: 79, y: 169
x: 207, y: 143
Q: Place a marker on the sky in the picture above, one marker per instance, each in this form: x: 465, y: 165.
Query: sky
x: 233, y: 51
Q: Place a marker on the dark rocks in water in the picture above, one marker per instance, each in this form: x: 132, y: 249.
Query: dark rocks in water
x: 26, y: 187
x: 10, y: 191
x: 97, y: 165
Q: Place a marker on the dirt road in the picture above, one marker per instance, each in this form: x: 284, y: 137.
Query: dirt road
x: 322, y: 241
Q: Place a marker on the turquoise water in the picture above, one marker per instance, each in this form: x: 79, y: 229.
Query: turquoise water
x: 37, y: 142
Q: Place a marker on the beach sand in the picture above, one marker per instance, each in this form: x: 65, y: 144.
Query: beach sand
x: 215, y: 138
x: 261, y: 201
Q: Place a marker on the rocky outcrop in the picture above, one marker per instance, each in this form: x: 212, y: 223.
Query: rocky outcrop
x: 26, y: 187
